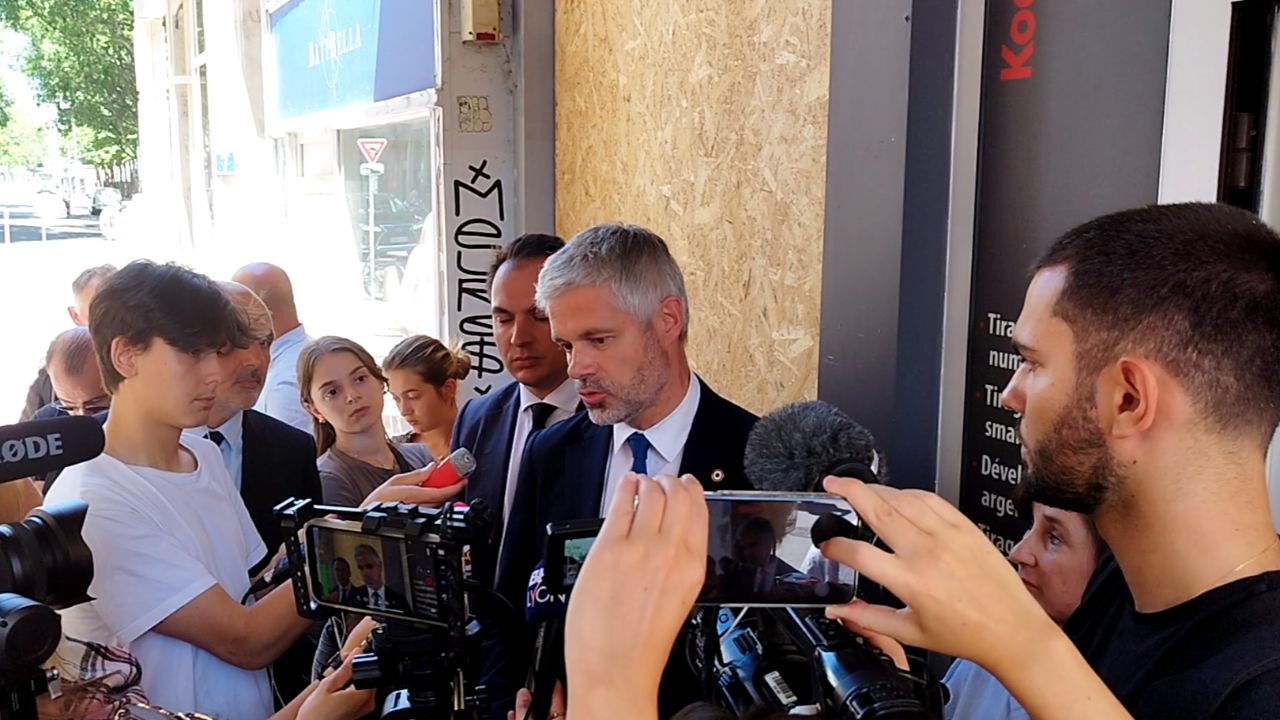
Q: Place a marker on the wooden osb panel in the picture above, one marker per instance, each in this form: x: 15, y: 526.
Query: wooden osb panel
x: 706, y: 121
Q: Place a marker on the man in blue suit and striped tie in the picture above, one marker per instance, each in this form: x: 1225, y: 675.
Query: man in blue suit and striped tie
x: 495, y: 427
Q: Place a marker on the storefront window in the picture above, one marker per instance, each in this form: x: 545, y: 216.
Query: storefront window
x: 401, y: 203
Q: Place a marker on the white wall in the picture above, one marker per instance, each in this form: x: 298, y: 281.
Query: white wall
x: 1195, y: 96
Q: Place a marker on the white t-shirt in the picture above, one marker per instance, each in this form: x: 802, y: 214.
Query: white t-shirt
x: 160, y: 539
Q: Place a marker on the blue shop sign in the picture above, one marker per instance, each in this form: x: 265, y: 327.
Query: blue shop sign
x: 341, y: 53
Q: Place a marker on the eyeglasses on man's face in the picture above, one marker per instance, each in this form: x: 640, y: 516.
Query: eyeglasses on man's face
x: 102, y: 403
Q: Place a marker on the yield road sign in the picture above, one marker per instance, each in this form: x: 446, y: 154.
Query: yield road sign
x: 372, y: 148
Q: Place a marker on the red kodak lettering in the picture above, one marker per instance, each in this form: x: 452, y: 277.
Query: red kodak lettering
x: 1017, y: 69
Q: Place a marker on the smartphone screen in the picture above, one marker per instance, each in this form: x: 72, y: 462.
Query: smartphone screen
x: 759, y: 551
x: 358, y: 573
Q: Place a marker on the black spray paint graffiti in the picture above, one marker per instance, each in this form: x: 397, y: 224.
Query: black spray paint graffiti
x: 476, y: 238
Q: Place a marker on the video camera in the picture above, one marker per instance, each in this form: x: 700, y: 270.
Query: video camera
x: 778, y: 652
x: 415, y: 565
x: 44, y: 563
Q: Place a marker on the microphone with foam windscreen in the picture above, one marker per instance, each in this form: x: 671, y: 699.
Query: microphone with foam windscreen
x: 794, y: 447
x: 545, y: 612
x: 42, y: 446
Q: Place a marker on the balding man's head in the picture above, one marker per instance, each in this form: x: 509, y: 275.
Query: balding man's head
x: 74, y: 373
x: 246, y: 367
x: 271, y: 284
x: 253, y: 311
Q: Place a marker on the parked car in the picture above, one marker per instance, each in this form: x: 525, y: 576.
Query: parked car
x: 103, y: 198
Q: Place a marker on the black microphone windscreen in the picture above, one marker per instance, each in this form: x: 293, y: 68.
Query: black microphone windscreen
x: 42, y: 446
x: 831, y: 525
x: 794, y: 447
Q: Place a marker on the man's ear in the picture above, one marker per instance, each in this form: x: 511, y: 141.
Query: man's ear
x: 670, y: 318
x: 75, y: 316
x: 124, y: 357
x: 1131, y: 391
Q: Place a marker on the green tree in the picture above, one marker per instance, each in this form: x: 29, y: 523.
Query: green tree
x: 22, y: 142
x: 80, y: 59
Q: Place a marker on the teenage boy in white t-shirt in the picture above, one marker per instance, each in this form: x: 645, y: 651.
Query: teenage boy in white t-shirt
x: 172, y: 542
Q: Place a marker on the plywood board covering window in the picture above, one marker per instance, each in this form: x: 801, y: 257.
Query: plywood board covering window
x: 707, y: 123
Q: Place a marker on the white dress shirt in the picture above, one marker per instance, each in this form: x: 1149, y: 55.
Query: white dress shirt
x: 666, y: 443
x: 280, y: 398
x: 565, y: 398
x: 232, y: 446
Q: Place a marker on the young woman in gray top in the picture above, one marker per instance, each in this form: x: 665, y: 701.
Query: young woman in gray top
x: 343, y: 388
x: 423, y: 376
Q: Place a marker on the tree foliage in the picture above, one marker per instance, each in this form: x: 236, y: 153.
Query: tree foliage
x: 80, y: 59
x: 22, y: 142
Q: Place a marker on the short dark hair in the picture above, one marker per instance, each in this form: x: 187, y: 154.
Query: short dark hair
x: 91, y: 276
x: 72, y: 350
x: 1025, y: 506
x: 145, y: 301
x: 1194, y: 287
x: 530, y: 246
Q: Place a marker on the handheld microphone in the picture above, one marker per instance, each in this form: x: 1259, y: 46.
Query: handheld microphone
x: 451, y: 471
x: 43, y: 446
x: 794, y: 447
x: 545, y: 611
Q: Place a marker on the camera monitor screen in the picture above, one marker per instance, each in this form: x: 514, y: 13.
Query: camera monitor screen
x: 759, y: 553
x: 357, y: 572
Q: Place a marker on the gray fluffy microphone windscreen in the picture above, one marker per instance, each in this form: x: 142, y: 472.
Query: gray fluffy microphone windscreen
x: 794, y: 447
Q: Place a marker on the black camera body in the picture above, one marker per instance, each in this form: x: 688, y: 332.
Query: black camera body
x: 44, y: 566
x: 790, y: 659
x: 416, y: 564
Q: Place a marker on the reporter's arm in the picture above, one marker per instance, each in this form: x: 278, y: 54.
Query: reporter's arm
x: 964, y: 599
x: 1052, y: 681
x: 644, y: 573
x: 247, y: 637
x: 405, y: 488
x: 17, y: 498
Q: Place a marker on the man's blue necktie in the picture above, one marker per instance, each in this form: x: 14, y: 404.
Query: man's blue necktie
x: 639, y: 453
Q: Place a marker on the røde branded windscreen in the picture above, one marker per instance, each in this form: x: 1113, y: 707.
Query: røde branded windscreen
x: 42, y: 446
x: 794, y: 447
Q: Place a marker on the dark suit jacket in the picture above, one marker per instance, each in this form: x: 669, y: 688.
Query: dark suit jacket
x: 279, y: 463
x: 395, y: 601
x: 38, y: 395
x: 346, y: 596
x: 562, y: 477
x: 486, y: 426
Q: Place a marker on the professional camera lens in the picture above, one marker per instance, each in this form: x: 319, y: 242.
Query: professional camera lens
x: 29, y: 632
x: 45, y: 559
